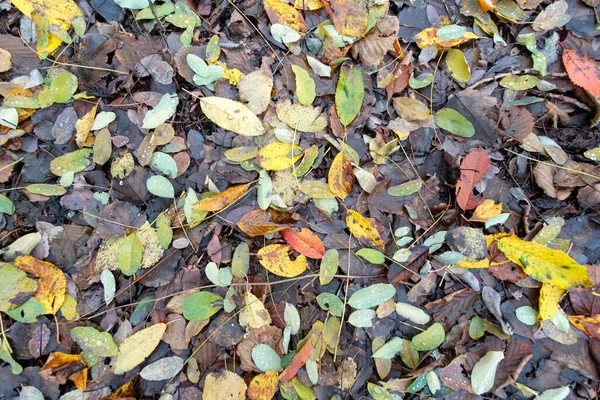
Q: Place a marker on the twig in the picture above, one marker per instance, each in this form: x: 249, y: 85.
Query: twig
x: 519, y: 72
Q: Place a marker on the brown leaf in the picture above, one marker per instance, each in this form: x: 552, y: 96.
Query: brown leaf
x: 349, y: 16
x: 518, y: 353
x: 518, y: 123
x: 60, y: 366
x: 378, y: 42
x: 259, y: 222
x: 544, y: 177
x: 39, y: 340
x: 399, y: 273
x: 269, y: 335
x: 584, y: 301
x: 448, y: 310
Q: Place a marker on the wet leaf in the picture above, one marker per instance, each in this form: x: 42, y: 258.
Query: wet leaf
x: 484, y: 372
x: 164, y: 110
x: 160, y: 186
x: 341, y: 176
x: 263, y: 386
x: 265, y: 358
x: 429, y: 339
x: 372, y: 296
x: 305, y: 86
x: 275, y: 258
x: 63, y: 87
x: 232, y: 116
x: 406, y: 189
x: 519, y: 82
x: 452, y: 121
x: 363, y: 230
x: 389, y: 349
x: 304, y: 242
x: 458, y: 66
x: 362, y: 318
x: 412, y: 313
x: 95, y: 345
x: 76, y: 161
x: 223, y: 199
x: 165, y: 368
x: 16, y: 287
x: 136, y: 348
x: 278, y: 156
x: 298, y: 362
x: 52, y: 282
x: 582, y: 70
x: 254, y: 314
x: 202, y: 305
x: 224, y: 385
x: 349, y: 94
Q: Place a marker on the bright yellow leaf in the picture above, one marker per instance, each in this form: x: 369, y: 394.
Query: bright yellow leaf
x: 275, y: 258
x: 363, y: 230
x: 52, y: 283
x: 549, y: 298
x: 544, y: 264
x: 486, y: 210
x: 223, y: 199
x: 485, y: 263
x: 341, y: 176
x: 310, y: 5
x: 59, y: 12
x: 588, y: 325
x: 283, y: 13
x: 277, y: 156
x: 263, y: 386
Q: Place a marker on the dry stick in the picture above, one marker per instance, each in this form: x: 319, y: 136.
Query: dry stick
x: 555, y: 165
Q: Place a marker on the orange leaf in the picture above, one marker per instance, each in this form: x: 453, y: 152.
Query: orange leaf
x: 52, y: 282
x: 263, y: 386
x: 276, y: 259
x: 363, y: 230
x: 487, y: 5
x: 283, y: 13
x: 341, y: 176
x: 259, y: 222
x: 349, y: 16
x: 304, y: 242
x: 59, y: 366
x: 298, y: 362
x: 583, y: 71
x: 474, y: 167
x: 486, y: 210
x: 465, y: 197
x: 80, y: 379
x: 223, y: 199
x: 588, y: 325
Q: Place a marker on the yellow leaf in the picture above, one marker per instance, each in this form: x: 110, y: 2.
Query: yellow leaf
x: 52, y: 282
x: 485, y: 263
x: 263, y: 386
x: 588, y: 325
x: 275, y: 258
x: 487, y: 5
x: 544, y: 264
x: 283, y: 13
x: 363, y: 230
x: 428, y: 37
x: 254, y: 314
x: 486, y: 210
x: 83, y: 128
x: 341, y: 176
x: 234, y: 76
x: 549, y: 298
x: 223, y: 199
x: 59, y: 12
x: 224, y: 385
x: 276, y: 156
x: 310, y: 5
x: 134, y: 350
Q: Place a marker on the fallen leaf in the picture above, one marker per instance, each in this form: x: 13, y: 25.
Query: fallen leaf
x: 486, y: 210
x: 275, y: 258
x: 363, y: 230
x: 298, y: 362
x: 52, y: 283
x: 341, y: 176
x: 16, y: 287
x: 283, y: 13
x: 223, y: 199
x: 261, y: 222
x: 544, y: 264
x: 255, y: 90
x: 349, y: 94
x: 549, y: 298
x: 263, y: 386
x: 305, y: 86
x: 304, y: 242
x: 378, y: 42
x: 224, y: 385
x: 232, y: 116
x: 136, y: 348
x: 299, y: 117
x: 349, y: 16
x: 278, y: 156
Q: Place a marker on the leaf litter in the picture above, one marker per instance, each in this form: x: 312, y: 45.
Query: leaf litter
x: 256, y: 199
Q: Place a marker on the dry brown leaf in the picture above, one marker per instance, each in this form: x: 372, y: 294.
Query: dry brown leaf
x: 378, y: 42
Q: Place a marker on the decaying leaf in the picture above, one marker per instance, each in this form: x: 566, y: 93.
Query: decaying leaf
x: 52, y: 283
x: 363, y: 230
x: 276, y: 259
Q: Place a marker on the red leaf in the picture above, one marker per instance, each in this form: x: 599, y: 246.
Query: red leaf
x: 583, y: 71
x: 474, y: 167
x: 304, y: 242
x: 298, y: 362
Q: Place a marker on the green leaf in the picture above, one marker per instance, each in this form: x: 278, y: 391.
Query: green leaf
x: 109, y: 284
x: 330, y: 302
x: 102, y: 120
x: 95, y: 345
x: 5, y: 355
x: 484, y: 372
x: 16, y: 286
x: 204, y: 74
x: 372, y: 296
x: 75, y: 161
x: 164, y: 163
x: 161, y: 11
x: 160, y: 186
x: 213, y: 49
x: 133, y: 4
x: 164, y: 231
x: 349, y: 94
x: 6, y: 205
x: 63, y: 87
x: 264, y: 190
x: 164, y: 110
x: 527, y: 315
x: 389, y: 350
x: 371, y: 255
x: 102, y: 147
x: 28, y: 311
x: 192, y: 215
x: 378, y: 392
x: 476, y: 330
x: 202, y: 305
x: 412, y: 313
x: 406, y: 188
x: 362, y: 318
x: 421, y: 81
x: 305, y: 86
x: 240, y: 261
x: 218, y: 276
x: 129, y: 254
x: 329, y: 265
x: 458, y: 66
x: 46, y: 189
x: 560, y: 393
x: 409, y: 356
x: 292, y: 318
x: 452, y: 121
x: 430, y: 339
x: 519, y: 82
x: 265, y: 358
x: 433, y: 382
x: 450, y: 32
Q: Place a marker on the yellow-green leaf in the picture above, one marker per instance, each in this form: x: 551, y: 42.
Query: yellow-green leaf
x: 544, y: 264
x: 305, y: 86
x: 458, y: 66
x: 349, y: 94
